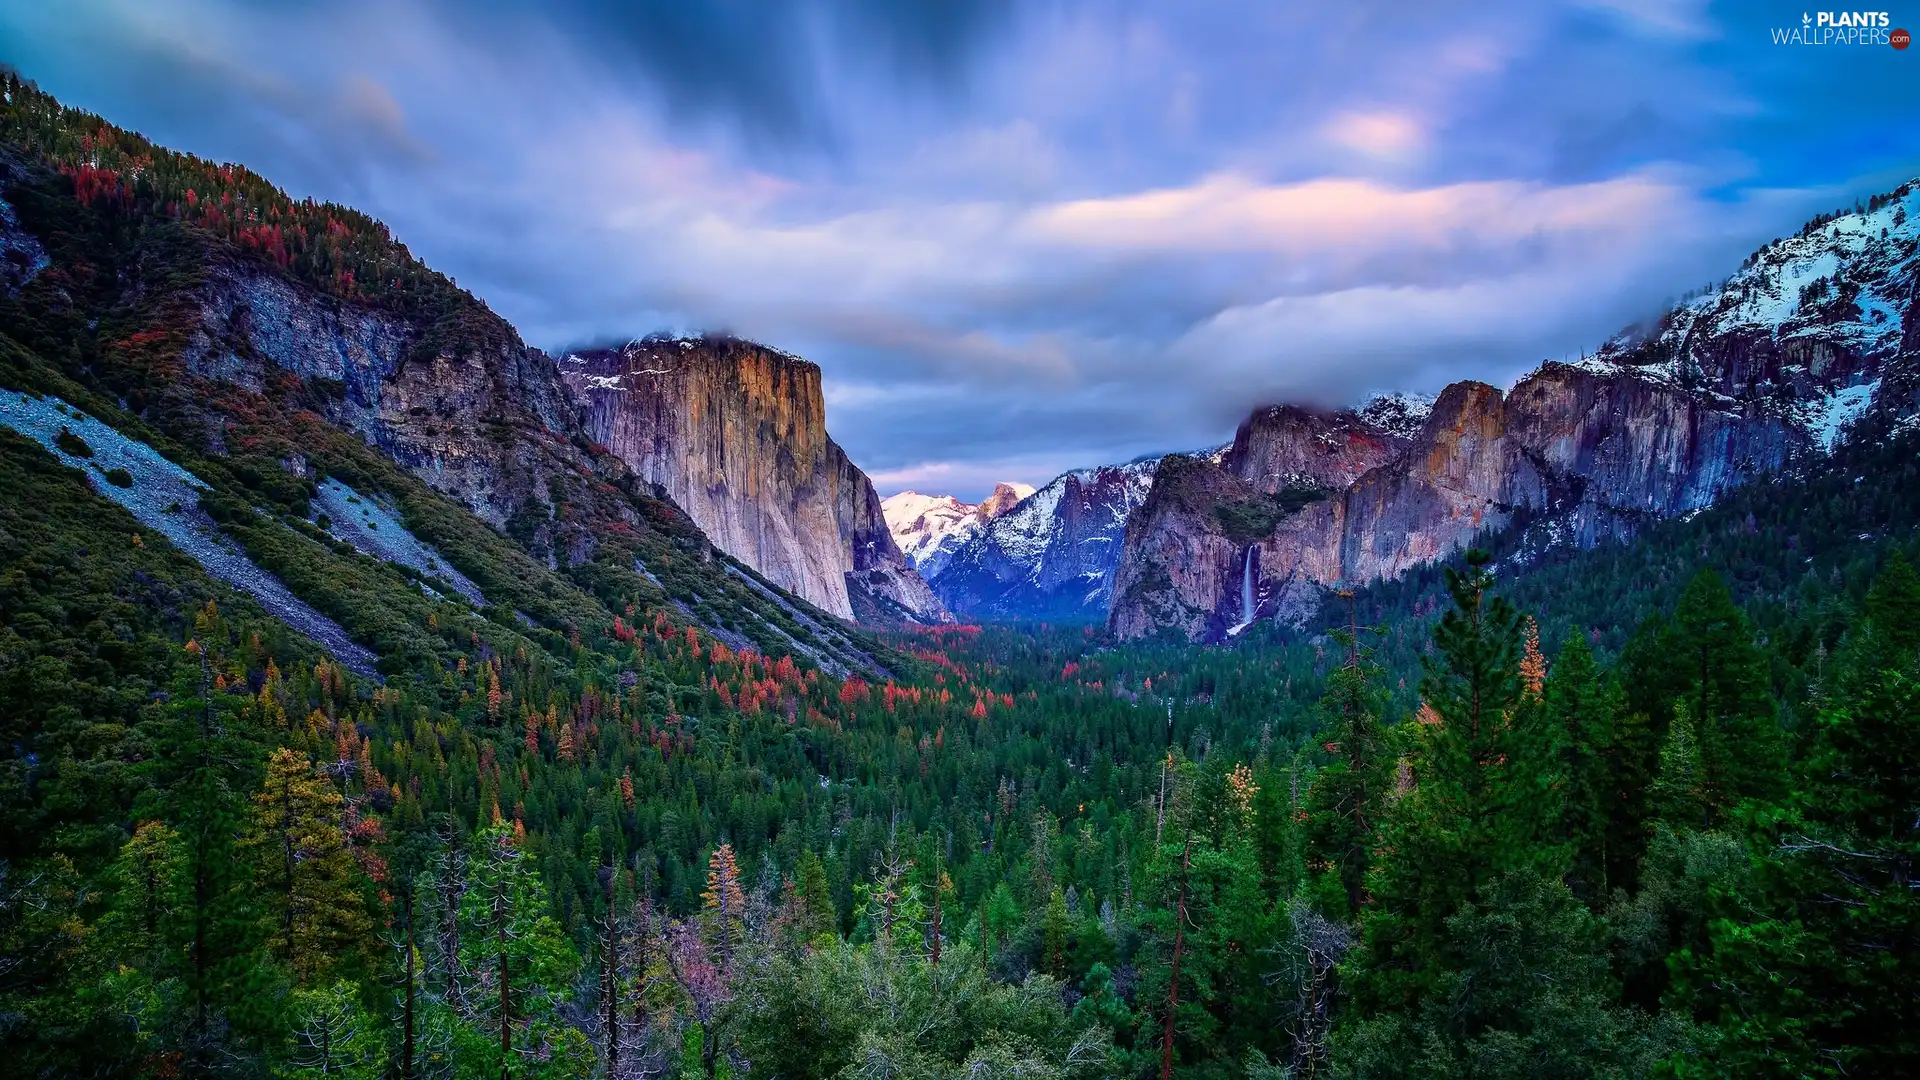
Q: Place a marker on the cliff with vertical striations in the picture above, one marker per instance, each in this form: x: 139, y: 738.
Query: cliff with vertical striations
x: 1811, y: 332
x: 735, y: 434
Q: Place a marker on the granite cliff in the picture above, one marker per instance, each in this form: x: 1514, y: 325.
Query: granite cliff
x: 734, y: 433
x: 279, y: 340
x: 1664, y: 419
x: 1053, y: 555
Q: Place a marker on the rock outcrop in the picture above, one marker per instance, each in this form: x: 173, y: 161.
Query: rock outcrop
x: 735, y: 434
x: 1664, y: 420
x: 1221, y: 542
x: 930, y: 528
x: 1053, y: 555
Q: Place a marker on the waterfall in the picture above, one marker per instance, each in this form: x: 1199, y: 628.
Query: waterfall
x: 1246, y: 594
x: 1246, y: 589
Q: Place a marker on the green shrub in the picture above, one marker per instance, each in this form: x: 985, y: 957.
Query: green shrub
x: 119, y: 477
x: 72, y: 444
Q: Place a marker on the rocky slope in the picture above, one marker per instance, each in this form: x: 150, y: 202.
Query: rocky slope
x: 1221, y: 541
x: 276, y: 342
x: 1664, y: 420
x: 1053, y: 555
x: 930, y: 528
x: 735, y: 434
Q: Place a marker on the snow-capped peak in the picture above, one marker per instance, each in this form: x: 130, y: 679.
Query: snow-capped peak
x: 929, y: 528
x: 1802, y: 328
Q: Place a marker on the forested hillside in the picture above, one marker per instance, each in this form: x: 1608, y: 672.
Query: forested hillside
x: 619, y: 808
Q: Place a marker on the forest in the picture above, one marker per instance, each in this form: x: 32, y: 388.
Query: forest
x: 654, y: 854
x: 1646, y: 810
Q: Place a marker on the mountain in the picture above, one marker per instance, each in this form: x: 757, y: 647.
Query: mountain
x: 283, y: 366
x: 1050, y: 557
x: 1664, y: 420
x: 1055, y: 557
x: 930, y: 528
x: 1206, y: 551
x: 734, y: 433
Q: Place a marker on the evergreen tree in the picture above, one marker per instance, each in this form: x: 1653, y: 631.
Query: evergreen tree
x: 1528, y: 994
x: 334, y: 1036
x: 816, y: 899
x: 725, y: 904
x: 1580, y: 711
x: 513, y: 952
x: 1346, y: 801
x: 1812, y: 974
x: 1742, y: 751
x: 1457, y: 829
x: 316, y: 920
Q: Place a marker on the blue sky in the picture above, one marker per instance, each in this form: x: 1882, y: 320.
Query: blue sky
x: 1024, y: 237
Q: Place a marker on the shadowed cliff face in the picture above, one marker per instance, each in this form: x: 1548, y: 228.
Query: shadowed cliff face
x: 1217, y: 545
x: 1593, y: 454
x: 482, y: 421
x: 735, y: 434
x: 1812, y: 331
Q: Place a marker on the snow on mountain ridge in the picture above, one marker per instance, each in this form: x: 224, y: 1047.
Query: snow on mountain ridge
x: 1398, y: 412
x: 1802, y: 330
x: 930, y: 528
x: 1053, y: 554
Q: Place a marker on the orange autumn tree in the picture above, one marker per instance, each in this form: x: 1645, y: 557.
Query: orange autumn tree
x: 726, y: 903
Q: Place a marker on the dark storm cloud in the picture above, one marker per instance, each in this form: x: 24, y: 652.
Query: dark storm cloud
x: 769, y: 68
x: 1020, y: 238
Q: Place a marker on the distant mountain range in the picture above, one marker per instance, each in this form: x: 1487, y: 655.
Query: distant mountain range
x: 257, y: 303
x: 1775, y: 363
x: 930, y: 528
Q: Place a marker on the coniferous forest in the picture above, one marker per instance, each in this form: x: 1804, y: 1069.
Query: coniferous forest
x: 1645, y: 810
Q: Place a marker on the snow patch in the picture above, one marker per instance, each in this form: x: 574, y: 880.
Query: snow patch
x: 1829, y: 416
x: 1402, y: 413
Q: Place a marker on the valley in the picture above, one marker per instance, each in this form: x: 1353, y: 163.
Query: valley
x: 384, y: 696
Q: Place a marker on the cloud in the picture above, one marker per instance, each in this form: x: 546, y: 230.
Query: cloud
x: 1021, y: 237
x: 1386, y: 135
x: 1339, y: 214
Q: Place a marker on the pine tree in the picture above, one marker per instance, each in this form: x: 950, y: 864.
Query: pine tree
x: 1471, y: 819
x: 816, y: 899
x: 1055, y: 929
x: 148, y: 878
x: 1742, y: 751
x: 1814, y: 974
x: 512, y: 949
x: 334, y: 1036
x: 1581, y: 712
x: 1528, y: 993
x: 318, y: 920
x: 1679, y: 796
x: 1346, y: 801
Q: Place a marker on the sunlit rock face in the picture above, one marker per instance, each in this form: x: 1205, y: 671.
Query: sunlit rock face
x: 735, y: 434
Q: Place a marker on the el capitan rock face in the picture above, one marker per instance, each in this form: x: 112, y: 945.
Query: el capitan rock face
x: 735, y: 434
